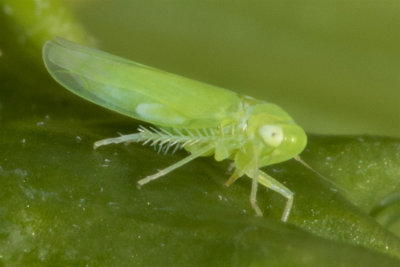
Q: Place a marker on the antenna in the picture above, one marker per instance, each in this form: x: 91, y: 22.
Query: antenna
x: 320, y: 175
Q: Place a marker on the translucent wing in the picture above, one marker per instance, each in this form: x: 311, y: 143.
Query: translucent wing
x: 136, y: 90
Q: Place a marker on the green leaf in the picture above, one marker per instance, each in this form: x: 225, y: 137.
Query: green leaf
x: 64, y: 202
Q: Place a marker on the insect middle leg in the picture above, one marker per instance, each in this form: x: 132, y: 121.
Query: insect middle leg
x: 176, y: 165
x: 235, y: 175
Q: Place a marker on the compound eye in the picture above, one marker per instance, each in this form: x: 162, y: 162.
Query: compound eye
x: 272, y: 135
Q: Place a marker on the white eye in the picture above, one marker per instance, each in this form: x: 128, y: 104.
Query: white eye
x: 272, y: 135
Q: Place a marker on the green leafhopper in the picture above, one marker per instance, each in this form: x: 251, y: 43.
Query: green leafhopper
x: 200, y: 118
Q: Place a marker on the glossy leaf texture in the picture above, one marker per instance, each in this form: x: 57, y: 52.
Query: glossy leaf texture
x: 64, y: 203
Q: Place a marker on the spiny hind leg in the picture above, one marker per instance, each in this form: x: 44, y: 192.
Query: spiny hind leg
x: 116, y: 140
x: 273, y: 184
x: 174, y: 166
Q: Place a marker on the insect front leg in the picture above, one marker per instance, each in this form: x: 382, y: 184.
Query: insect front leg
x: 273, y: 184
x: 254, y: 184
x: 178, y: 164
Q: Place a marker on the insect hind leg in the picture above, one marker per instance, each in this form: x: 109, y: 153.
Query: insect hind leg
x: 174, y: 166
x: 116, y: 140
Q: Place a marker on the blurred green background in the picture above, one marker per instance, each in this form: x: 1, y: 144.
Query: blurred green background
x: 331, y: 64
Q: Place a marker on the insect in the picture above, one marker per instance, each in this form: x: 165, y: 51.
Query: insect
x: 200, y: 118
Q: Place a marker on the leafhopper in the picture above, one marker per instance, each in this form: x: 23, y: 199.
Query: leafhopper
x: 200, y: 118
